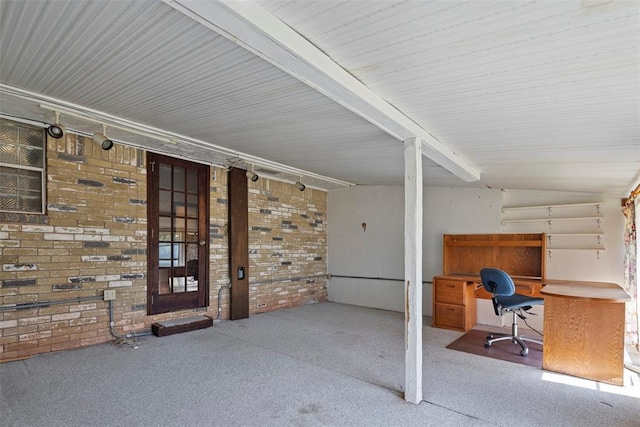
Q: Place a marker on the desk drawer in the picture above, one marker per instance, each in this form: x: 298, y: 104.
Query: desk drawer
x: 528, y: 289
x: 449, y: 316
x: 450, y: 291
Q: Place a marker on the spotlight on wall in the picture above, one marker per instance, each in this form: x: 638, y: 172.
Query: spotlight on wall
x: 56, y: 130
x: 252, y: 175
x: 100, y: 138
x: 300, y: 186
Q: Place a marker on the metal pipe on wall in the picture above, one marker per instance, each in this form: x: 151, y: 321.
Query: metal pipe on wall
x: 373, y: 278
x: 40, y: 304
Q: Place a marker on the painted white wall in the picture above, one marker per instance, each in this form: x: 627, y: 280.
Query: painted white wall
x: 377, y: 252
x: 576, y: 264
x: 458, y: 211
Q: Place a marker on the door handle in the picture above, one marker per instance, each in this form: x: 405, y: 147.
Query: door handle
x: 202, y: 242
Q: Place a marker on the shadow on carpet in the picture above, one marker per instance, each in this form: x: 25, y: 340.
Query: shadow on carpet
x: 473, y: 342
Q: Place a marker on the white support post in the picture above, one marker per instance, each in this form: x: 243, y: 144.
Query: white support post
x: 413, y: 269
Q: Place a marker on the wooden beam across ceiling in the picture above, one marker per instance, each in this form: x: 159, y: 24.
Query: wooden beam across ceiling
x: 252, y: 27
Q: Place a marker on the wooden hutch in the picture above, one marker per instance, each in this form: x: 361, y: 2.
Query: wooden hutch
x: 521, y: 255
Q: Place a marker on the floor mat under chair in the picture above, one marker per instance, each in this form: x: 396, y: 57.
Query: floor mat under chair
x: 473, y: 342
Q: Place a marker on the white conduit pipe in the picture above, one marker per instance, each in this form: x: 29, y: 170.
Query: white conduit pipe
x: 118, y: 336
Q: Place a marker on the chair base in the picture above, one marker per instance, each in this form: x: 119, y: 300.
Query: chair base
x: 513, y: 337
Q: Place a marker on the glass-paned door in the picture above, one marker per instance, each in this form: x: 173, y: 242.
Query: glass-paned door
x: 178, y: 206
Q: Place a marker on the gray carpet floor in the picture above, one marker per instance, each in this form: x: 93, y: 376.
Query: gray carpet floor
x: 323, y: 364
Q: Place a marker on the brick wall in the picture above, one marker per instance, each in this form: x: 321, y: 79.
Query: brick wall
x: 93, y: 237
x: 287, y: 246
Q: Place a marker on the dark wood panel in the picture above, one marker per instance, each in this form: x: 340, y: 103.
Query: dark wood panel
x: 204, y: 192
x: 164, y: 303
x: 238, y: 243
x: 153, y: 276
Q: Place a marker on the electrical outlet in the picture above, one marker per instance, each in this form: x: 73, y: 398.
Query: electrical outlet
x: 109, y: 294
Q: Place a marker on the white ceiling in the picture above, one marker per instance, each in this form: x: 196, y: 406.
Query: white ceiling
x: 532, y: 95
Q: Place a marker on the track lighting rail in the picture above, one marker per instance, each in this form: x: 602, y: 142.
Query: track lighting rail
x: 233, y: 157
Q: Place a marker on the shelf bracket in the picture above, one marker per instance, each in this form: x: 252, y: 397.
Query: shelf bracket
x: 599, y: 254
x: 549, y: 239
x: 599, y: 222
x: 599, y: 239
x: 549, y: 253
x: 550, y: 223
x: 598, y: 209
x: 550, y: 210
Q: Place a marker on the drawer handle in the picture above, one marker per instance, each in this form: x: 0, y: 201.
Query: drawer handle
x: 450, y: 309
x: 451, y: 286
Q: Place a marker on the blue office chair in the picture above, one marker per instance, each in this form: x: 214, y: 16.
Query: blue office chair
x: 505, y: 300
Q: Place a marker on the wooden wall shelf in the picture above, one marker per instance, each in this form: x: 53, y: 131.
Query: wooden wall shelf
x: 551, y: 219
x: 573, y: 224
x: 565, y: 205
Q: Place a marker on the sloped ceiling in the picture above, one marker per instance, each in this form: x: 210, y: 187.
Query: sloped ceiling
x: 534, y: 95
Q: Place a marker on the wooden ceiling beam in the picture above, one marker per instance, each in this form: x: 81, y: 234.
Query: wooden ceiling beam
x: 249, y: 25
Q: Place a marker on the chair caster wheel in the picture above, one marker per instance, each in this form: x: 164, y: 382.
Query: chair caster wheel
x: 524, y: 353
x: 487, y: 345
x: 490, y: 336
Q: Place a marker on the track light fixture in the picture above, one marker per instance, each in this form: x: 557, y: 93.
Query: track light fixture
x: 56, y: 130
x: 252, y: 175
x: 299, y: 185
x: 221, y: 155
x: 100, y: 138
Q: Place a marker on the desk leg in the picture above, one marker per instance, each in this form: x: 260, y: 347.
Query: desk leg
x: 584, y: 338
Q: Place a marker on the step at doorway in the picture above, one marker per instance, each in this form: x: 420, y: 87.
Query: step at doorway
x: 177, y: 326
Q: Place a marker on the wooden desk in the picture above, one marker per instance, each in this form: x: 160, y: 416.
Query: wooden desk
x: 584, y: 329
x: 521, y: 255
x: 454, y: 298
